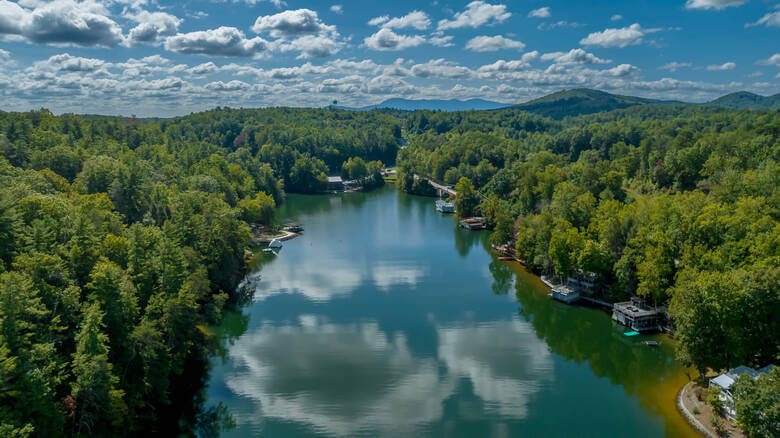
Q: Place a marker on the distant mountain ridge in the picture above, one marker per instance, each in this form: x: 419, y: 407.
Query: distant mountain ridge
x: 433, y: 104
x: 747, y: 100
x: 575, y: 102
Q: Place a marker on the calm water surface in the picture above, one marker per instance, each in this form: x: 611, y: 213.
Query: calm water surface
x: 385, y: 319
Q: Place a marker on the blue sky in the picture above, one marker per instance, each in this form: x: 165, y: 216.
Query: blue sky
x: 161, y: 58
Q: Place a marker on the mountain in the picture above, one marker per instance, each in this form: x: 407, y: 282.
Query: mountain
x: 747, y: 100
x: 583, y: 101
x: 441, y: 105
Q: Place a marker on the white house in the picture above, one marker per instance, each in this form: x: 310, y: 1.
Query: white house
x: 724, y: 382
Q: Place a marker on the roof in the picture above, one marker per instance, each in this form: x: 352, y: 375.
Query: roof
x: 723, y: 380
x: 334, y: 179
x: 742, y: 369
x: 766, y: 369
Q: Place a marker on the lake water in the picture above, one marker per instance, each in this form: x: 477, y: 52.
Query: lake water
x: 386, y: 319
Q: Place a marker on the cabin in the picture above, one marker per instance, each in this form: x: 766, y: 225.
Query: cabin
x: 727, y: 379
x: 635, y: 315
x: 335, y: 184
x: 472, y: 223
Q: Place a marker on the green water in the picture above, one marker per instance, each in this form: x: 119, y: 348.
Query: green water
x: 386, y: 319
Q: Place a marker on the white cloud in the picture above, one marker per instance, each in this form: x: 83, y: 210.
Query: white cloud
x: 626, y: 36
x: 616, y: 17
x: 223, y: 41
x: 206, y: 68
x: 386, y: 39
x: 477, y: 13
x: 772, y: 60
x: 151, y: 26
x: 713, y: 4
x: 556, y: 24
x: 291, y: 23
x: 492, y: 43
x: 441, y: 68
x: 722, y: 67
x: 66, y: 63
x: 416, y: 19
x: 441, y: 40
x: 60, y: 22
x: 337, y: 9
x: 540, y: 13
x: 574, y: 57
x: 233, y: 85
x: 312, y: 46
x: 771, y: 19
x: 674, y: 66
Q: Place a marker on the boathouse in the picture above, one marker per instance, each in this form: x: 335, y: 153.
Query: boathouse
x: 727, y: 379
x: 472, y: 223
x: 335, y: 184
x: 637, y: 316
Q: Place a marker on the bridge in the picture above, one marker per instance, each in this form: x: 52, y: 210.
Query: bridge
x: 440, y: 188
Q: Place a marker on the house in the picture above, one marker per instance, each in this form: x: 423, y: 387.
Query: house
x: 335, y: 184
x: 727, y: 379
x: 637, y: 316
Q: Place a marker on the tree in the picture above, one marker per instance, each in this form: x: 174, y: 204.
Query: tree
x: 757, y: 402
x: 504, y: 230
x: 354, y: 168
x: 466, y: 198
x: 565, y: 244
x: 99, y: 403
x: 258, y: 210
x: 307, y: 175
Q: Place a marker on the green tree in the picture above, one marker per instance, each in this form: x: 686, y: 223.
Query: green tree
x: 757, y: 402
x: 466, y: 198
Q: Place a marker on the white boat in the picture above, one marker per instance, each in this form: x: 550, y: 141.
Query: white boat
x: 276, y: 243
x: 443, y: 206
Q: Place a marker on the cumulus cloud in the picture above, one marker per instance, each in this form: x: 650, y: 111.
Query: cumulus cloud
x: 556, y: 24
x: 441, y: 68
x: 337, y: 9
x: 312, y: 46
x: 386, y: 39
x: 492, y: 43
x: 674, y: 66
x: 66, y: 63
x: 151, y: 26
x: 60, y: 22
x: 540, y: 13
x: 622, y: 37
x: 713, y: 4
x: 616, y: 17
x: 477, y: 13
x: 574, y: 57
x: 771, y: 19
x: 772, y: 60
x: 233, y: 85
x: 206, y: 68
x: 441, y: 40
x: 722, y: 67
x: 223, y: 41
x: 416, y: 19
x: 291, y: 23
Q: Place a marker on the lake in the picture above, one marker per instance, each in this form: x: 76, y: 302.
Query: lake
x: 386, y: 319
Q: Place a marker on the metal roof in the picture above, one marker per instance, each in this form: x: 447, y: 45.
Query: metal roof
x: 723, y: 380
x: 334, y: 179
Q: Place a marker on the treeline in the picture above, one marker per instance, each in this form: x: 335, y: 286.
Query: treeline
x: 120, y: 243
x: 675, y: 205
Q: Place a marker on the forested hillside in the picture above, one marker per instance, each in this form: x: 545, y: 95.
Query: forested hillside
x: 675, y: 204
x: 120, y: 243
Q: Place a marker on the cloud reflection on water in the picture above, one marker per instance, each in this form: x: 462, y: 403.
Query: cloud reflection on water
x: 348, y: 379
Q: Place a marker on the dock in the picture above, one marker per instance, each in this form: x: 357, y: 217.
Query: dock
x: 636, y: 316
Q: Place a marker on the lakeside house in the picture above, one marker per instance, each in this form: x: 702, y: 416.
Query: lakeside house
x: 727, y: 379
x: 637, y: 316
x: 335, y: 184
